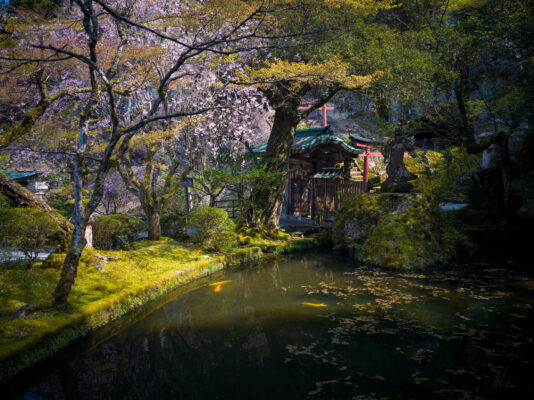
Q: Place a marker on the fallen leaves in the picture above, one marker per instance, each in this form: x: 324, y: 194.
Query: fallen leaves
x: 418, y: 315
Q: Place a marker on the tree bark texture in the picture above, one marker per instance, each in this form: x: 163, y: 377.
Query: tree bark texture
x: 154, y: 226
x: 25, y: 198
x: 264, y: 203
x: 70, y: 266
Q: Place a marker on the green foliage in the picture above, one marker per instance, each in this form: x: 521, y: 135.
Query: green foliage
x: 213, y: 228
x: 4, y: 285
x: 364, y: 209
x: 441, y: 175
x: 54, y: 261
x: 3, y: 161
x: 172, y: 224
x: 61, y: 205
x: 116, y: 231
x: 29, y: 230
x: 5, y: 202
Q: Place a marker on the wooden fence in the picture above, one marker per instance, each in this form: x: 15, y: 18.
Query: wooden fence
x: 329, y: 195
x: 320, y: 199
x: 232, y: 207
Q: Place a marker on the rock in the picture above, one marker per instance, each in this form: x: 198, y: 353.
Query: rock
x: 103, y: 260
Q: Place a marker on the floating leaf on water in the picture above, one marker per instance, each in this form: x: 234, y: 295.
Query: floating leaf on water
x: 463, y: 316
x: 518, y: 315
x: 313, y: 304
x: 219, y: 283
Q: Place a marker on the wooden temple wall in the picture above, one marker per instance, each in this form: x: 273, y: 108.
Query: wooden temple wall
x: 312, y: 198
x: 298, y: 193
x: 329, y: 194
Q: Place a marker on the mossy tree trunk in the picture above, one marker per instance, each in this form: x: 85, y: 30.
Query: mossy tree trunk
x: 501, y: 139
x: 82, y: 212
x: 151, y: 199
x: 265, y: 203
x: 154, y: 225
x: 268, y: 189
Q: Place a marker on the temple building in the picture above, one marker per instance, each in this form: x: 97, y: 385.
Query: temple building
x: 30, y: 181
x: 320, y: 174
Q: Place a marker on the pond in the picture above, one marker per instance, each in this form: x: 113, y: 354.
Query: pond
x: 313, y: 326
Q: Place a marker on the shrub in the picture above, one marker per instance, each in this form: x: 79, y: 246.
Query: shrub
x: 116, y: 231
x: 172, y: 224
x: 54, y: 260
x: 29, y: 230
x: 5, y: 203
x: 61, y: 205
x: 358, y: 216
x: 4, y: 285
x: 213, y: 228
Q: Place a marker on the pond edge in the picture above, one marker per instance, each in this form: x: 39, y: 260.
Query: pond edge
x: 27, y: 353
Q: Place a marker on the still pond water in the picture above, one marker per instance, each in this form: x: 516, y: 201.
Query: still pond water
x: 312, y: 326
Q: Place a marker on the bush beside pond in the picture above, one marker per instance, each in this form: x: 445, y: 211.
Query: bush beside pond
x: 397, y: 231
x: 212, y: 228
x: 173, y: 225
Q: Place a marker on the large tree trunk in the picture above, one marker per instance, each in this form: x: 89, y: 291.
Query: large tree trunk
x: 154, y: 226
x: 25, y: 198
x: 506, y: 175
x: 70, y: 266
x: 264, y: 203
x: 462, y: 91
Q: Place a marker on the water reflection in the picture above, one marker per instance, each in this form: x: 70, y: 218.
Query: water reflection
x: 261, y: 334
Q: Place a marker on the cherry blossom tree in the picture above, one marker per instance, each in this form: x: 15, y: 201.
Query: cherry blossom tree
x: 115, y: 64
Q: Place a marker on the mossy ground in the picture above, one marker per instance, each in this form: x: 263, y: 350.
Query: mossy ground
x: 129, y: 279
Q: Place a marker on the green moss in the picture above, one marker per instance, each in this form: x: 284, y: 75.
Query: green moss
x: 54, y: 261
x: 398, y: 231
x: 128, y: 280
x: 408, y: 231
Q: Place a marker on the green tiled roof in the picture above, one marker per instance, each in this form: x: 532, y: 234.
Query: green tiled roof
x: 306, y: 139
x: 21, y: 175
x: 366, y: 140
x: 328, y: 173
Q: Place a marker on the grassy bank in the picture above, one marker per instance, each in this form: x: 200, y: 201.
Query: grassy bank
x: 103, y: 292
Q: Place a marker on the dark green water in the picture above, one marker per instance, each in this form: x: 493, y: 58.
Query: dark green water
x: 364, y: 334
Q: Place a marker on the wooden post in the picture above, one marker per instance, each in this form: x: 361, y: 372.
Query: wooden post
x: 324, y: 109
x: 366, y: 165
x: 187, y: 206
x: 312, y: 199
